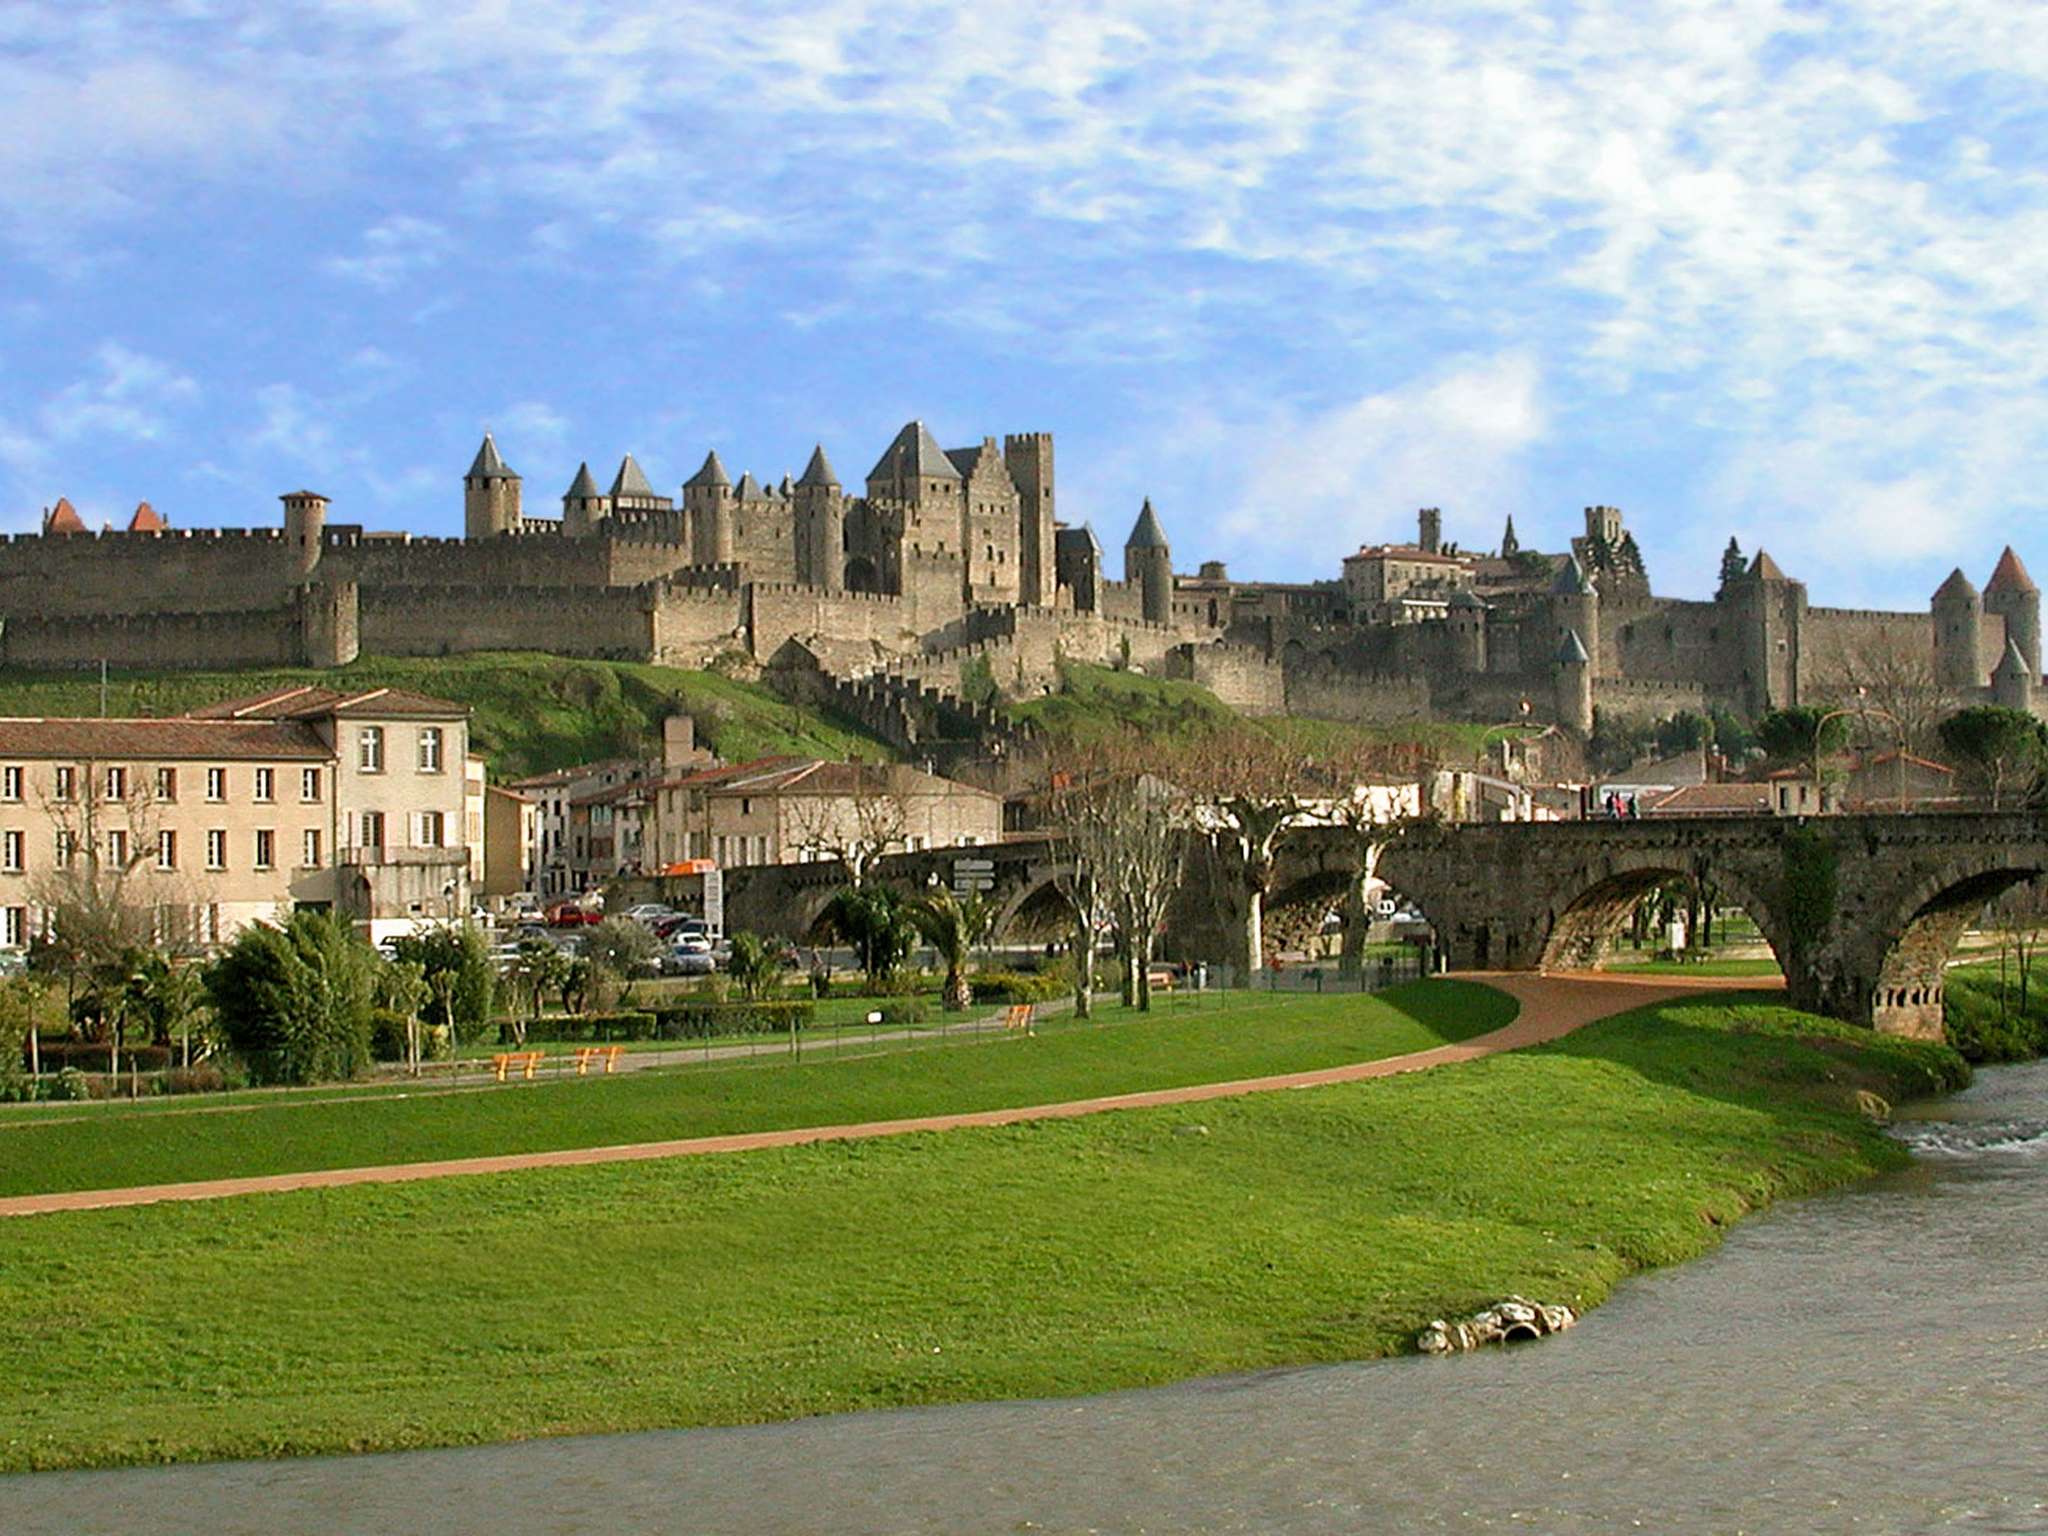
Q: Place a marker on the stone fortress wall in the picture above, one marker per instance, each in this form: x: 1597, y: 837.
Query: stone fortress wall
x: 954, y: 568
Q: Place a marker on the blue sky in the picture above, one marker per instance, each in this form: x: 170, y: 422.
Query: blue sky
x: 1294, y: 270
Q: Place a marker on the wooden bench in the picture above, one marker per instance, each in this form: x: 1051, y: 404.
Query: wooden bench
x: 1159, y: 979
x: 1018, y: 1016
x: 608, y: 1054
x: 526, y: 1061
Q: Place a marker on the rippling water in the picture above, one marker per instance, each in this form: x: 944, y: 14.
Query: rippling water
x: 1872, y: 1361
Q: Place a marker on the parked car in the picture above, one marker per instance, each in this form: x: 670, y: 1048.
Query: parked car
x: 572, y: 914
x: 687, y: 962
x: 679, y: 923
x: 651, y: 912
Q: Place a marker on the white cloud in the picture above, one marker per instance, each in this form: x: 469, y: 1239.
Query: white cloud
x: 128, y: 395
x: 1314, y: 485
x: 393, y: 249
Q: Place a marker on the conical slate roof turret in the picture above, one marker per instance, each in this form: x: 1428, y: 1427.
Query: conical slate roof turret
x: 2010, y: 575
x: 1571, y: 650
x: 1764, y: 568
x: 487, y: 465
x: 2012, y: 664
x: 915, y: 454
x: 749, y: 488
x: 784, y: 487
x: 1572, y: 580
x: 819, y: 470
x: 630, y: 481
x: 712, y: 474
x: 1147, y: 534
x: 1958, y: 588
x: 583, y: 487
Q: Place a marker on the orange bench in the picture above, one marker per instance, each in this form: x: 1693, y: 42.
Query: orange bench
x: 1018, y: 1016
x: 505, y: 1061
x: 608, y: 1054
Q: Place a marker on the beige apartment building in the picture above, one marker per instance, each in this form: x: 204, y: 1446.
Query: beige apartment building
x: 800, y: 810
x: 196, y: 826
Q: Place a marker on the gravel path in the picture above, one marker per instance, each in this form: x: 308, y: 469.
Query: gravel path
x: 1551, y: 1006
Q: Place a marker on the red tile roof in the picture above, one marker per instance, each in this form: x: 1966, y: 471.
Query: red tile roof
x: 1711, y: 800
x: 63, y: 518
x: 307, y: 702
x: 146, y: 519
x: 169, y: 738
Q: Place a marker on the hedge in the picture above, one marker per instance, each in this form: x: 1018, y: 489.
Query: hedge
x: 703, y: 1021
x: 1014, y: 987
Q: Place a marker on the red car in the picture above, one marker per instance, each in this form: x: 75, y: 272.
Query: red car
x: 571, y: 914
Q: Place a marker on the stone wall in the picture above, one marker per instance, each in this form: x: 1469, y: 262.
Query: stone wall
x: 179, y: 570
x: 1239, y: 675
x: 601, y: 622
x: 253, y: 637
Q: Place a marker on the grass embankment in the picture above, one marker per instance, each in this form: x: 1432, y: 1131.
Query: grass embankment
x: 1095, y: 702
x: 46, y: 1148
x: 1056, y: 1257
x: 1984, y: 1015
x: 529, y: 712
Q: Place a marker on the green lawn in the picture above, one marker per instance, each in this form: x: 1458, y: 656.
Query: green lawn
x: 1058, y: 1257
x: 47, y: 1148
x: 1694, y: 968
x: 529, y: 712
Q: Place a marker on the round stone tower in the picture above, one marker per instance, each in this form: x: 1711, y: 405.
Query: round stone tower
x: 305, y: 528
x: 707, y: 500
x: 1148, y: 565
x: 2012, y: 595
x: 583, y: 504
x: 2012, y: 685
x: 1958, y: 633
x: 820, y: 510
x: 1573, y: 680
x: 1467, y: 618
x: 490, y: 495
x: 1575, y: 607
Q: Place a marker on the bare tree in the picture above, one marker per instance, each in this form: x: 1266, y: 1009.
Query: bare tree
x: 856, y: 828
x: 1072, y: 807
x: 1376, y: 797
x: 1142, y: 830
x: 96, y: 910
x: 1892, y: 676
x: 1247, y: 792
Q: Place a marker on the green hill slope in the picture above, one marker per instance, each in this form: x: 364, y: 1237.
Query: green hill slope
x: 530, y: 712
x: 1094, y: 702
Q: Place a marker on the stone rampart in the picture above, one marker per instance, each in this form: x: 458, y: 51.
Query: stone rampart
x: 252, y: 637
x: 425, y: 620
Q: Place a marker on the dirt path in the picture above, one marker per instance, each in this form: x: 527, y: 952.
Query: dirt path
x: 1551, y: 1006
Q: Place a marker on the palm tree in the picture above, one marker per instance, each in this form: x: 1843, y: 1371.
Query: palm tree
x: 953, y: 927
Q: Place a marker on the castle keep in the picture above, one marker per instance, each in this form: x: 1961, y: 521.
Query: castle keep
x: 953, y: 564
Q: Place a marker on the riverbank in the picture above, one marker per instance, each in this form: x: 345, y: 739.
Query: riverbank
x: 46, y: 1148
x: 1035, y: 1260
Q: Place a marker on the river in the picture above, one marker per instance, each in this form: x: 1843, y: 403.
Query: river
x: 1869, y: 1361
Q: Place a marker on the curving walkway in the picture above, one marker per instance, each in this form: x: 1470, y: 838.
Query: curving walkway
x: 1552, y: 1005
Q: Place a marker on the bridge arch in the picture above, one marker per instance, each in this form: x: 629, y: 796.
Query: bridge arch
x: 1911, y: 938
x: 1592, y: 906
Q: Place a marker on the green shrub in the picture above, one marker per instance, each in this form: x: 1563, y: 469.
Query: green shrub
x: 1986, y: 1023
x: 1015, y: 987
x: 702, y: 1021
x: 295, y: 1001
x: 387, y: 1034
x: 902, y: 1010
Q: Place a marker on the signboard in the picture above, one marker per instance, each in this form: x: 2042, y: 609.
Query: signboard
x: 714, y: 900
x: 973, y: 875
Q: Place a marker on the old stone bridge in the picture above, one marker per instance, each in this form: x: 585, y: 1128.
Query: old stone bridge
x: 1861, y: 911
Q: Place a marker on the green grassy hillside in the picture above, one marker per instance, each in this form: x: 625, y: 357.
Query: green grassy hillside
x: 1094, y: 702
x: 530, y: 712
